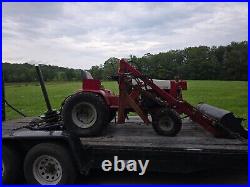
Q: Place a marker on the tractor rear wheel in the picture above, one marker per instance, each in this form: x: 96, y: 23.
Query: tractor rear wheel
x: 166, y: 122
x: 85, y: 114
x: 112, y: 115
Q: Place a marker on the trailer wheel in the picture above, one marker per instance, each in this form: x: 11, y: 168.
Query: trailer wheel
x: 85, y: 114
x: 49, y: 164
x: 166, y: 122
x: 11, y: 165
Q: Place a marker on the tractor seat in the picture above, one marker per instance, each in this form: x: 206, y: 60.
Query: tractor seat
x: 163, y: 84
x: 86, y: 75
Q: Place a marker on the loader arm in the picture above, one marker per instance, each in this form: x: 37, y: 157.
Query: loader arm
x: 181, y: 106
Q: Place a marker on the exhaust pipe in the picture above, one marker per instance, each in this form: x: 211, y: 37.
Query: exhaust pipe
x: 227, y: 122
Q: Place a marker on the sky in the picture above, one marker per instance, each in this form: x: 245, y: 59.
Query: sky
x: 80, y: 35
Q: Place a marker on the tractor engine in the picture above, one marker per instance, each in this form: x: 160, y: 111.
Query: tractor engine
x: 173, y: 87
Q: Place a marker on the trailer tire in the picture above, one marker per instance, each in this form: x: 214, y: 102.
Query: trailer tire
x: 11, y: 165
x: 166, y: 122
x: 48, y: 163
x: 85, y: 114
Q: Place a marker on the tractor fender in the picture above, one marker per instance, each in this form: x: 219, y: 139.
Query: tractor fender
x: 104, y: 94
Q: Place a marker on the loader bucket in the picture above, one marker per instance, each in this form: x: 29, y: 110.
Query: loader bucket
x: 230, y: 125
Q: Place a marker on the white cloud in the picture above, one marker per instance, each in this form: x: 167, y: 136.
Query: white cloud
x: 80, y: 35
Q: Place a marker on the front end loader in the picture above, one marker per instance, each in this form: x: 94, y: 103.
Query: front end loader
x: 88, y: 111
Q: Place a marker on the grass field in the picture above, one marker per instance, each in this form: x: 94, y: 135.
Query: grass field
x: 230, y: 95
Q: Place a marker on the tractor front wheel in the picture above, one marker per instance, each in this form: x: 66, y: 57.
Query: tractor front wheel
x: 85, y: 114
x: 166, y: 122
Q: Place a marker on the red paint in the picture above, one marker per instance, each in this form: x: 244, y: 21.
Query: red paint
x: 91, y: 84
x: 129, y: 101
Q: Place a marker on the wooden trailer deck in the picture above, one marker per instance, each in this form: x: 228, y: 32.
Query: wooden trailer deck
x: 135, y: 134
x: 192, y: 149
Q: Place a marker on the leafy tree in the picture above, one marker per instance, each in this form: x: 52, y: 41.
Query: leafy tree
x: 203, y: 63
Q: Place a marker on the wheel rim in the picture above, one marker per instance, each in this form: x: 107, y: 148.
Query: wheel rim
x: 166, y: 123
x: 84, y: 115
x: 47, y: 170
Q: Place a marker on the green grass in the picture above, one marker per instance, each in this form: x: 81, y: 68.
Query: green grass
x: 229, y: 95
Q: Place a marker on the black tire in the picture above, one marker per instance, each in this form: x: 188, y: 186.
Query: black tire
x: 112, y: 114
x: 12, y: 165
x: 82, y: 126
x: 166, y: 122
x: 57, y: 169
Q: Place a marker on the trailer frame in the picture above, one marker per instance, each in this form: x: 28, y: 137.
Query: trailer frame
x: 88, y: 153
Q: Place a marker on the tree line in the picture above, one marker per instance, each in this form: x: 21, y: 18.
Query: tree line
x: 193, y: 63
x: 27, y: 73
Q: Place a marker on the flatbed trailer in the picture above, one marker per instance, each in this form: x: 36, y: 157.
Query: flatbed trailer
x: 193, y: 149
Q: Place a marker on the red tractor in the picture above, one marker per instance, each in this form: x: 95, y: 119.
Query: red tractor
x: 87, y: 112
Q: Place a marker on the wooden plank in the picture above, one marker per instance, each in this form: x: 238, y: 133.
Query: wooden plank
x: 135, y: 134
